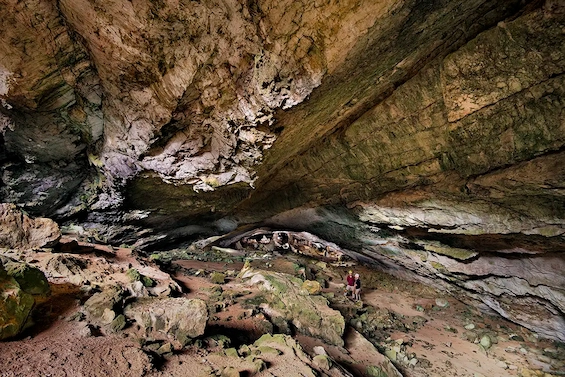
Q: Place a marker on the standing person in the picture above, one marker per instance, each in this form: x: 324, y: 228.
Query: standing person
x: 350, y: 284
x: 357, y: 291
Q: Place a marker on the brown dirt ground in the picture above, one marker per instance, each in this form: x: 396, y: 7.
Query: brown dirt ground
x: 55, y: 346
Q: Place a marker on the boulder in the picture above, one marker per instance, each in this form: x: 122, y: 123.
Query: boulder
x: 381, y: 365
x: 313, y: 287
x: 102, y: 306
x: 322, y: 361
x: 15, y: 306
x: 69, y: 267
x: 30, y: 279
x: 19, y: 231
x: 310, y: 314
x: 180, y: 318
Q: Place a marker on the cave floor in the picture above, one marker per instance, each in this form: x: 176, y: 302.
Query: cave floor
x: 58, y: 346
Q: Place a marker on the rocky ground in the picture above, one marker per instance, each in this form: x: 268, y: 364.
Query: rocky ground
x: 422, y: 331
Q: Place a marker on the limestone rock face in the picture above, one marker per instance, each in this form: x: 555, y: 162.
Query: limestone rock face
x: 18, y: 231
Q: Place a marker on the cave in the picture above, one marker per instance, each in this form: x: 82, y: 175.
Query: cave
x: 178, y: 150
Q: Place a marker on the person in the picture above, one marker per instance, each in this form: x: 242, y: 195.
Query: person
x: 357, y: 290
x: 350, y: 284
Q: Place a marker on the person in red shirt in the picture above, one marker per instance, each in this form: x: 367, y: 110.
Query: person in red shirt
x: 350, y: 284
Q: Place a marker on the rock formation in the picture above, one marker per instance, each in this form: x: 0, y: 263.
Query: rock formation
x: 423, y: 137
x: 19, y: 231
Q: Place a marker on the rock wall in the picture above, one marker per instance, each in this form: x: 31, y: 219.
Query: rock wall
x: 154, y: 121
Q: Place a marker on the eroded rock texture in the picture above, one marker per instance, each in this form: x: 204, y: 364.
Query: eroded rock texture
x: 426, y: 137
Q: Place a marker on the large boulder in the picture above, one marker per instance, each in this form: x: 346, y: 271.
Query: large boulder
x: 310, y: 314
x: 181, y: 318
x: 15, y: 306
x: 18, y: 231
x: 103, y: 305
x: 30, y: 279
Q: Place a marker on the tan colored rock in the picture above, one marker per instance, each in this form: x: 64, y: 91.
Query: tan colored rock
x: 18, y: 231
x: 312, y: 287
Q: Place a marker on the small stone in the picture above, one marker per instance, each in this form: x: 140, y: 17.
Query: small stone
x: 322, y: 362
x: 512, y: 367
x: 217, y: 278
x: 312, y: 287
x: 153, y: 346
x: 108, y: 316
x: 266, y: 350
x: 442, y: 303
x: 486, y: 342
x: 118, y: 323
x: 471, y: 336
x: 87, y: 331
x: 413, y: 362
x: 76, y: 316
x: 516, y: 337
x: 502, y: 364
x: 231, y: 352
x: 319, y: 350
x: 391, y: 354
x: 523, y: 351
x: 259, y: 365
x: 244, y: 350
x: 230, y: 372
x: 375, y: 371
x: 166, y: 348
x: 470, y: 326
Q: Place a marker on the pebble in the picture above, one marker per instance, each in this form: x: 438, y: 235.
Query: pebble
x: 502, y: 364
x: 516, y: 337
x: 523, y: 351
x: 441, y: 302
x: 470, y: 326
x: 486, y: 341
x: 319, y: 350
